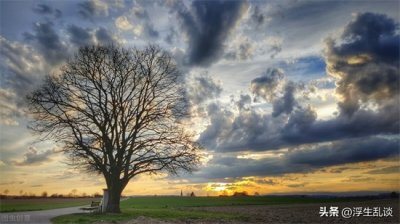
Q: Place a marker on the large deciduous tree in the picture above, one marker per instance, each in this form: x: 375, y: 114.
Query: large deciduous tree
x: 116, y: 111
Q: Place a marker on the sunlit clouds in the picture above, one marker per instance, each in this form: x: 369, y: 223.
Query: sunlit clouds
x: 288, y: 97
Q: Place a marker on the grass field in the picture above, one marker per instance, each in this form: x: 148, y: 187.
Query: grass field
x: 14, y: 205
x: 175, y: 208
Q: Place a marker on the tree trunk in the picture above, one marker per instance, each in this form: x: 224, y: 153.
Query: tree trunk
x: 115, y: 187
x: 114, y: 197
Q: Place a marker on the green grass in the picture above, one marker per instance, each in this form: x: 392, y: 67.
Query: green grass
x: 14, y: 205
x: 179, y: 202
x: 173, y: 208
x: 158, y: 213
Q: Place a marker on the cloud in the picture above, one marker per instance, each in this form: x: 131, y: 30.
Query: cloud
x: 301, y: 159
x: 273, y: 87
x: 148, y: 28
x: 385, y: 170
x: 296, y: 185
x: 48, y: 42
x: 79, y: 36
x: 267, y: 85
x: 9, y: 112
x: 93, y: 8
x: 363, y: 123
x: 365, y: 62
x: 33, y: 157
x: 244, y: 51
x: 287, y: 102
x: 203, y: 88
x: 345, y: 151
x: 249, y: 129
x: 12, y: 183
x: 207, y: 25
x: 22, y: 67
x: 85, y: 36
x: 123, y: 23
x: 104, y: 37
x: 257, y: 130
x: 244, y: 102
x: 258, y: 17
x: 44, y: 9
x: 266, y: 181
x: 20, y: 64
x: 171, y: 36
x: 275, y: 46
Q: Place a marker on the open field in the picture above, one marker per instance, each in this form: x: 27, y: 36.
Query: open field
x: 179, y: 202
x: 14, y: 205
x: 307, y: 213
x: 207, y: 209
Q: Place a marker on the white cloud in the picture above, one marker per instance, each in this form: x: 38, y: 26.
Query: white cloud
x: 123, y: 23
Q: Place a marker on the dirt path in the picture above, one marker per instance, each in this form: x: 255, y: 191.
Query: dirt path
x: 36, y: 217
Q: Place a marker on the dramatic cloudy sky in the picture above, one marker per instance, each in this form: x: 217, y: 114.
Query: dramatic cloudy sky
x: 286, y: 96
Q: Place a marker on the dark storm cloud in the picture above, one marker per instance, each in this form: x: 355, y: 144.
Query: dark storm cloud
x: 79, y: 36
x: 366, y: 63
x: 273, y: 87
x: 82, y: 37
x: 248, y: 130
x: 207, y: 25
x: 48, y: 42
x: 365, y: 74
x: 306, y: 158
x: 251, y: 130
x: 345, y: 151
x: 266, y: 86
x: 362, y: 123
x: 85, y: 36
x: 103, y: 36
x: 287, y: 102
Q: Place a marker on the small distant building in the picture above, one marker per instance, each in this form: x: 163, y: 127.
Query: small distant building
x: 181, y: 193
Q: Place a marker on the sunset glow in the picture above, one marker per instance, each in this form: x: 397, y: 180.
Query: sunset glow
x: 285, y: 97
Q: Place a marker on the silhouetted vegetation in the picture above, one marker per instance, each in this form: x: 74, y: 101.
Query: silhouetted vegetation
x: 117, y: 113
x: 28, y: 195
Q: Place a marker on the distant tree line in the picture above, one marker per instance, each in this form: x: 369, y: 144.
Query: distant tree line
x: 44, y: 194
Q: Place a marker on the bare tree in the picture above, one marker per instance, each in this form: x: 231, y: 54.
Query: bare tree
x: 117, y: 112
